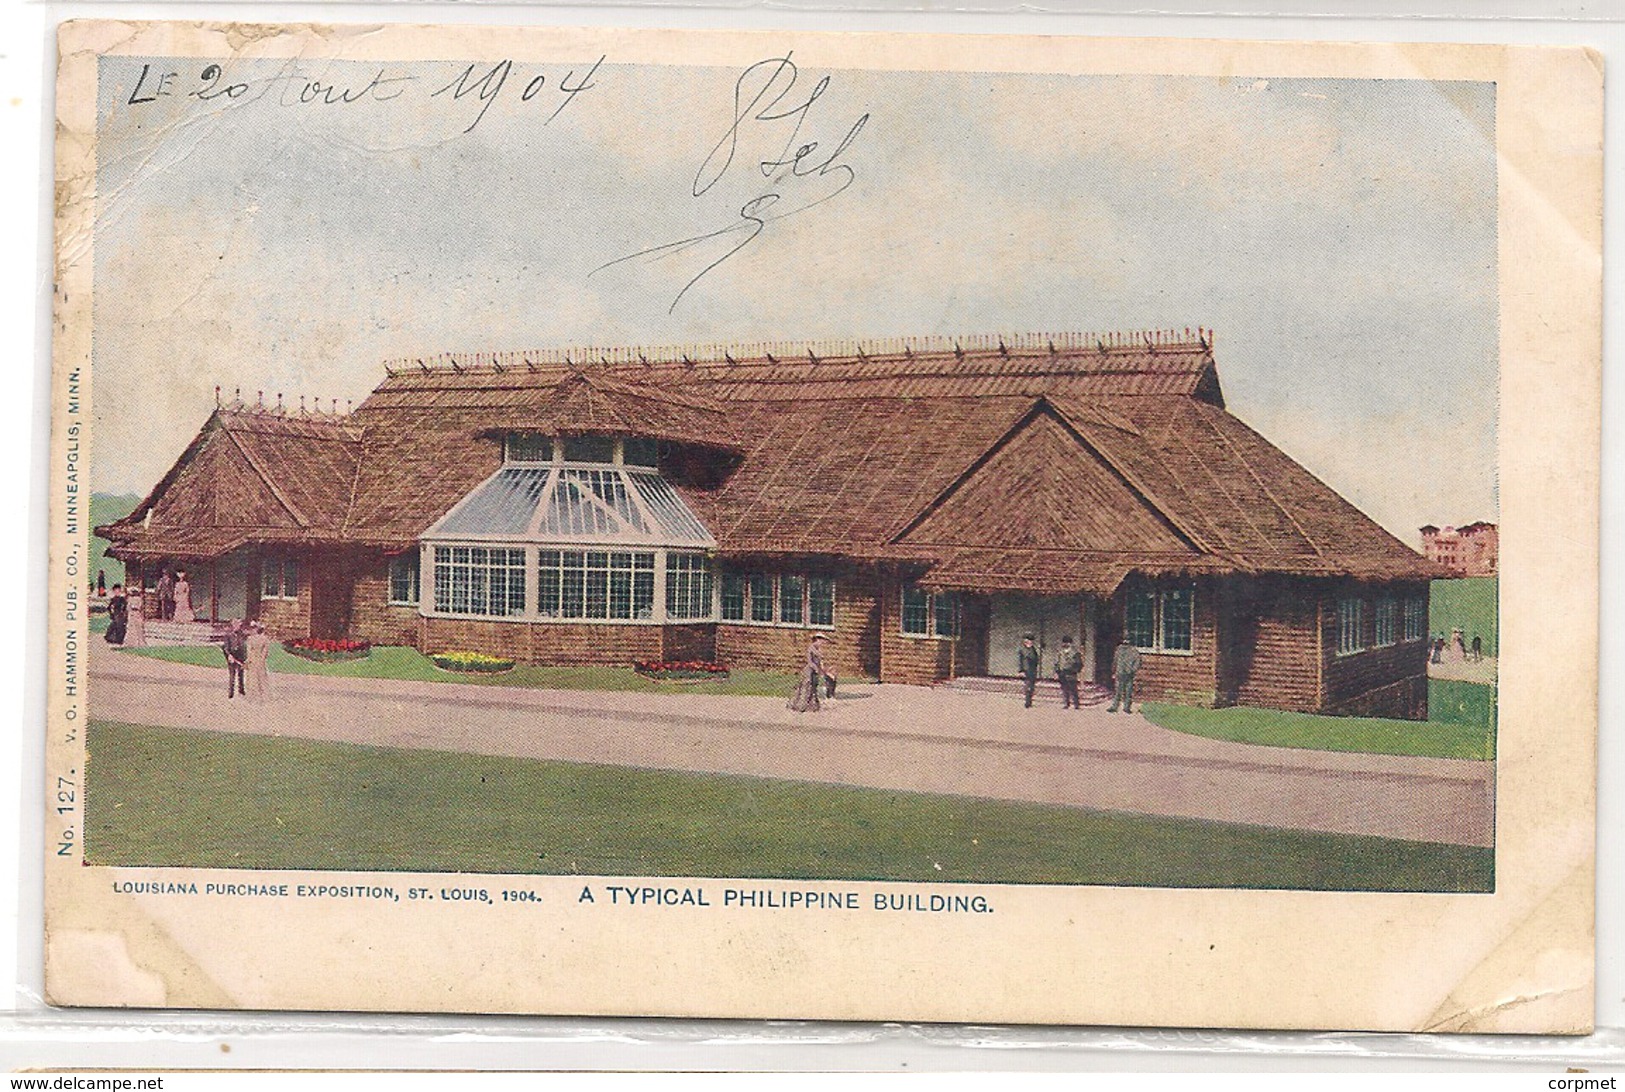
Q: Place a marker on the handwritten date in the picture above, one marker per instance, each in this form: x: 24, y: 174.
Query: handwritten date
x: 292, y: 87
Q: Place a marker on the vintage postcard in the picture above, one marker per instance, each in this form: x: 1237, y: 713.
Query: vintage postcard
x: 836, y: 526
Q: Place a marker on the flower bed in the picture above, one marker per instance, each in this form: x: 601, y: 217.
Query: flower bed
x: 325, y: 651
x: 680, y: 669
x: 471, y: 663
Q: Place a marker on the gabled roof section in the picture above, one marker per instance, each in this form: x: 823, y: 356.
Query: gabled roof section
x: 248, y: 475
x: 1045, y: 488
x: 1240, y: 498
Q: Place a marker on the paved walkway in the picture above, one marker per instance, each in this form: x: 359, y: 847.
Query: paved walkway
x: 896, y: 737
x: 1478, y: 671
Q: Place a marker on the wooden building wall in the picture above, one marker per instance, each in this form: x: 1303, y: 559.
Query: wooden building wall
x: 372, y: 617
x: 1184, y: 678
x: 852, y: 649
x: 922, y: 661
x: 567, y: 643
x: 1376, y: 682
x: 854, y: 644
x: 1269, y: 636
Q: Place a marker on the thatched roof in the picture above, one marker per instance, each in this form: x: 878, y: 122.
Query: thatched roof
x: 249, y: 475
x: 1040, y: 463
x: 578, y: 402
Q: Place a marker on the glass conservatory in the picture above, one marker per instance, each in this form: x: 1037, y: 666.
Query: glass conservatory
x: 571, y: 529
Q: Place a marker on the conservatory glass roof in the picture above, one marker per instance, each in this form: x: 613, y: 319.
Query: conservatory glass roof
x: 600, y: 504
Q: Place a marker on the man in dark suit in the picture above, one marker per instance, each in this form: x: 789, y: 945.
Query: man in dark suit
x: 166, y: 596
x: 236, y: 649
x: 1027, y: 667
x: 1068, y: 665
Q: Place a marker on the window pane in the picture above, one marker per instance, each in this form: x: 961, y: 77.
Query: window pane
x: 688, y: 586
x: 572, y: 586
x: 669, y: 510
x: 270, y: 577
x: 443, y: 569
x: 589, y: 449
x: 945, y: 611
x: 527, y: 447
x: 821, y: 601
x: 761, y: 598
x: 1176, y: 619
x: 1413, y: 619
x: 620, y: 590
x: 547, y: 584
x: 792, y: 596
x: 1387, y: 622
x: 733, y: 597
x: 403, y: 578
x: 290, y: 578
x: 916, y: 611
x: 503, y: 505
x: 640, y: 452
x: 1350, y: 621
x: 597, y: 595
x: 1139, y: 618
x: 643, y: 594
x: 516, y: 582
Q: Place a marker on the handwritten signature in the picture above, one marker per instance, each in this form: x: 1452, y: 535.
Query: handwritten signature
x: 797, y: 178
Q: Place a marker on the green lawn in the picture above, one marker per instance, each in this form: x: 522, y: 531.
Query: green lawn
x: 407, y: 663
x: 1461, y: 724
x: 178, y: 797
x: 1470, y: 605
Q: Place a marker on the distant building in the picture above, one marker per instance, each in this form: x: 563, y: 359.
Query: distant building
x: 1473, y: 550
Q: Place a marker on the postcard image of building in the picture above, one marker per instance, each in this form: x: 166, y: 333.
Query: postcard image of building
x: 926, y: 504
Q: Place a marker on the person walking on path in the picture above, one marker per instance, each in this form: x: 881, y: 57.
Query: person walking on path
x: 235, y: 647
x: 257, y: 655
x: 1027, y: 668
x: 1438, y: 647
x: 117, y: 615
x: 1068, y: 663
x: 1478, y: 649
x: 805, y: 699
x: 1125, y: 665
x: 166, y: 596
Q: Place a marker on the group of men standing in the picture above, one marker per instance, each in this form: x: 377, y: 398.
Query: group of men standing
x: 1069, y: 666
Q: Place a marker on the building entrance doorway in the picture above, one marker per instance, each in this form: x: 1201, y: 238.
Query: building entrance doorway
x: 230, y: 576
x: 1048, y: 619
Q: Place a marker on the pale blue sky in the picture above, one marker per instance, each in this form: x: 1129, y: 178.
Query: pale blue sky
x: 1339, y: 235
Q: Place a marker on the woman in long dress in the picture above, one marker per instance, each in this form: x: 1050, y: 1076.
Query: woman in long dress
x: 117, y: 616
x: 183, y: 598
x: 258, y: 669
x: 135, y: 613
x: 806, y: 697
